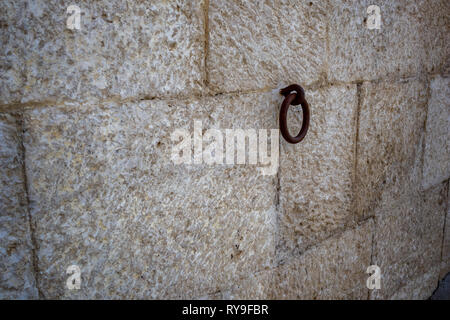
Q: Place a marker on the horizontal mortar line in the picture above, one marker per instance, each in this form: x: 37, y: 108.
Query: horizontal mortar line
x: 18, y: 106
x: 97, y: 101
x: 240, y: 279
x: 336, y: 236
x: 406, y: 282
x: 69, y: 102
x: 292, y: 257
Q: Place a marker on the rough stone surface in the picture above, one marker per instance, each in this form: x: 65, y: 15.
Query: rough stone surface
x: 87, y: 119
x: 123, y: 49
x: 105, y: 195
x: 414, y: 37
x: 420, y: 288
x: 436, y: 166
x: 434, y: 24
x: 408, y: 238
x: 316, y: 175
x: 16, y: 260
x: 335, y: 269
x: 390, y: 136
x: 256, y: 45
x: 256, y: 286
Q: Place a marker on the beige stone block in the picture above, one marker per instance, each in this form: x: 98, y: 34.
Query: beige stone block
x: 413, y: 37
x: 105, y: 195
x: 408, y: 238
x: 17, y: 279
x: 316, y: 175
x: 122, y: 48
x: 390, y: 137
x: 335, y: 269
x: 420, y: 288
x: 435, y: 29
x: 263, y: 44
x: 436, y: 166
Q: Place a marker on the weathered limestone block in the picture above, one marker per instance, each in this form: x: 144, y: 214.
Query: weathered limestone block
x: 413, y: 37
x: 391, y: 125
x: 436, y: 166
x: 335, y: 269
x: 256, y: 45
x: 123, y: 48
x: 408, y: 238
x: 316, y: 175
x: 434, y: 24
x: 105, y: 195
x: 420, y: 288
x: 16, y: 260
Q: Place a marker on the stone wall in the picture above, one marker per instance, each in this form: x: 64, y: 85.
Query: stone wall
x: 86, y: 118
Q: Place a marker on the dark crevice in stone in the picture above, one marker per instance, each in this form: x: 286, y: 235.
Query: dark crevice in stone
x: 34, y: 246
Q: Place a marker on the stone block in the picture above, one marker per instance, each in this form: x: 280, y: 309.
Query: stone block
x: 334, y: 269
x: 390, y: 137
x: 408, y: 238
x: 413, y: 37
x: 436, y: 165
x: 260, y: 45
x: 316, y: 175
x: 105, y: 195
x: 125, y: 49
x: 17, y: 278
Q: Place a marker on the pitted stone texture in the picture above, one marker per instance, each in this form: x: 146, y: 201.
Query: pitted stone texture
x: 257, y: 45
x: 436, y: 166
x: 420, y: 288
x: 413, y: 37
x: 316, y: 175
x: 123, y: 48
x: 434, y: 24
x: 335, y: 269
x: 391, y: 125
x: 257, y: 286
x: 105, y: 196
x: 16, y: 260
x: 408, y: 237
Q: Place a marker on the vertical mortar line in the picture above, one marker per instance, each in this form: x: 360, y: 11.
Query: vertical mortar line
x: 427, y: 80
x: 28, y: 209
x: 327, y: 43
x: 356, y: 150
x: 206, y: 42
x: 277, y: 204
x: 443, y: 231
x: 355, y: 173
x: 424, y: 126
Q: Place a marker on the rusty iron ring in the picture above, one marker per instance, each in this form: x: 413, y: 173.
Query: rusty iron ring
x: 294, y: 98
x: 300, y: 93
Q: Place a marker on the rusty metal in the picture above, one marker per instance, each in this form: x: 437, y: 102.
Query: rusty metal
x: 293, y: 98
